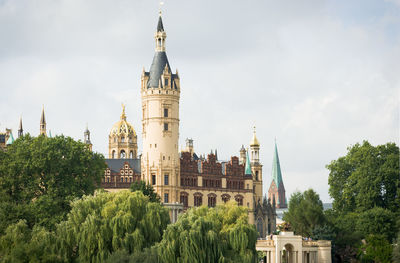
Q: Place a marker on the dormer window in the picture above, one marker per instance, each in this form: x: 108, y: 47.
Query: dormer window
x: 166, y: 82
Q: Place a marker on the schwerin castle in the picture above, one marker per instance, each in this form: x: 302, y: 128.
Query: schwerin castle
x: 183, y: 179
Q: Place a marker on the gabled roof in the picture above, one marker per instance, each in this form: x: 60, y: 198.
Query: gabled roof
x: 276, y: 169
x: 116, y: 165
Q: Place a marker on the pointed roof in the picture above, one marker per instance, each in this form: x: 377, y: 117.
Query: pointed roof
x: 20, y: 124
x: 276, y: 169
x: 42, y: 118
x: 254, y: 141
x: 248, y: 167
x: 160, y: 27
x: 10, y: 139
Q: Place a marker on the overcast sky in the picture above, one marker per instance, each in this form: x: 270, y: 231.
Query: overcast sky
x: 318, y: 75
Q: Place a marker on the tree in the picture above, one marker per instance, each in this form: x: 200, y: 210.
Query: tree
x: 102, y: 224
x: 364, y: 185
x: 377, y: 221
x: 396, y: 249
x: 39, y: 176
x: 305, y: 212
x: 147, y: 190
x: 21, y: 244
x: 220, y: 234
x: 376, y: 249
x: 365, y: 178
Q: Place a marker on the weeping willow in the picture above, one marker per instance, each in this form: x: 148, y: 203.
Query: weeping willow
x: 221, y: 234
x: 99, y: 225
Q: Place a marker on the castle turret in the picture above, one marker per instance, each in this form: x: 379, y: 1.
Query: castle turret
x: 256, y: 167
x: 160, y: 90
x: 242, y: 159
x: 86, y: 138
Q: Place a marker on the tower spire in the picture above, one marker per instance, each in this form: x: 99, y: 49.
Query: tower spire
x: 20, y: 130
x: 42, y: 123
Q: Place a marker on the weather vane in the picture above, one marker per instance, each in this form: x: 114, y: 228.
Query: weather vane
x: 161, y: 4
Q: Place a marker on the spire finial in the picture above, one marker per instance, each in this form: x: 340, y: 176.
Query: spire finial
x: 123, y: 116
x: 160, y: 5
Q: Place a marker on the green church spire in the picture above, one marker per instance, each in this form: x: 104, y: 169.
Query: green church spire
x: 276, y: 169
x: 248, y: 167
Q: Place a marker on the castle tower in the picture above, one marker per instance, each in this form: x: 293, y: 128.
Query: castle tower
x: 42, y: 124
x: 122, y: 141
x: 276, y: 190
x: 160, y: 90
x: 256, y: 167
x: 20, y: 130
x: 86, y: 138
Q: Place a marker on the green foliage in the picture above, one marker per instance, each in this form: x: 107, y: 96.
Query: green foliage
x: 305, y: 212
x: 147, y: 190
x: 365, y: 187
x: 396, y: 249
x: 21, y: 244
x: 376, y: 249
x: 39, y: 176
x: 220, y: 234
x: 99, y: 225
x: 148, y: 255
x: 365, y: 178
x: 377, y: 221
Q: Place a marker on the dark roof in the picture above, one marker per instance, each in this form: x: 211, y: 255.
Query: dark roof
x: 156, y: 69
x: 116, y: 165
x: 160, y: 27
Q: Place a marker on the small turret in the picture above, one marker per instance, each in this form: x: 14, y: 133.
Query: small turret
x: 242, y: 159
x: 86, y: 139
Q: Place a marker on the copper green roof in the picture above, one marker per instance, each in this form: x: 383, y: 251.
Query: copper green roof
x: 10, y: 139
x: 248, y: 167
x: 276, y: 169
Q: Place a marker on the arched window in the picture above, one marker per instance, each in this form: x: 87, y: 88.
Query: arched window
x: 159, y: 42
x: 184, y: 199
x: 113, y: 154
x: 122, y: 154
x: 239, y: 199
x: 122, y: 139
x: 225, y: 198
x: 198, y: 199
x: 212, y: 200
x: 131, y: 154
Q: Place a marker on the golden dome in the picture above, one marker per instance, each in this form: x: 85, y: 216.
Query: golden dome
x: 122, y: 127
x: 254, y: 141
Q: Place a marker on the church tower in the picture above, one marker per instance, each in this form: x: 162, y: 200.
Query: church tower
x: 276, y: 190
x: 160, y: 91
x: 122, y: 141
x: 256, y: 167
x: 42, y: 124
